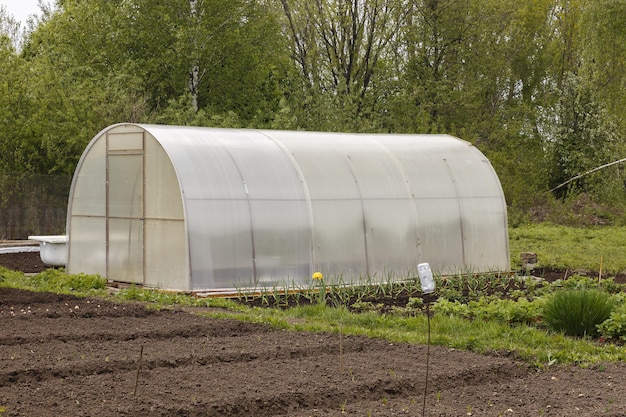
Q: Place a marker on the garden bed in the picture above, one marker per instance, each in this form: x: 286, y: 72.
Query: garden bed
x: 63, y: 355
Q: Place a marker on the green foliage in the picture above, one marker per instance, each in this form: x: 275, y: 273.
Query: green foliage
x: 536, y: 86
x: 577, y: 312
x: 519, y: 311
x: 562, y: 248
x: 57, y: 280
x: 161, y: 299
x: 615, y: 326
x: 451, y: 308
x: 10, y: 278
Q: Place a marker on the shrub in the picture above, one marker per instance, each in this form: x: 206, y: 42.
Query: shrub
x: 577, y: 312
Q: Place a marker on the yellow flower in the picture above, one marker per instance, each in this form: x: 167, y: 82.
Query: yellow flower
x: 317, y: 276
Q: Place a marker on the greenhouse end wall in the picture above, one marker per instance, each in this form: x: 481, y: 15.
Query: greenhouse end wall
x: 205, y: 209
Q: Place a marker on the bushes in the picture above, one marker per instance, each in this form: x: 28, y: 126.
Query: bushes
x: 578, y: 312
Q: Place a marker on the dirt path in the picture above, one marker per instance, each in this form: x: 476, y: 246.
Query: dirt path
x: 65, y: 356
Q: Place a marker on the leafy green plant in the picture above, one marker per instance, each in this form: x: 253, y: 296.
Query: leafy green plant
x: 615, y: 326
x: 451, y: 308
x: 491, y: 308
x: 577, y: 312
x: 362, y: 306
x: 519, y: 311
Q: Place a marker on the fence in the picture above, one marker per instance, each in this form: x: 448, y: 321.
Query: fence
x: 32, y: 204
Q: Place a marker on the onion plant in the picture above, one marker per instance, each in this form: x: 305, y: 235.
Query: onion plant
x: 578, y: 312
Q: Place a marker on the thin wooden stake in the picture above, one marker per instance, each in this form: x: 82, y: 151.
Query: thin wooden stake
x: 600, y: 273
x: 427, y: 360
x: 138, y: 369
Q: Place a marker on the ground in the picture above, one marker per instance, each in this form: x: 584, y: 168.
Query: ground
x: 67, y: 356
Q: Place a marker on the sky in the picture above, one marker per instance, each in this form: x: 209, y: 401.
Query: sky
x: 21, y: 9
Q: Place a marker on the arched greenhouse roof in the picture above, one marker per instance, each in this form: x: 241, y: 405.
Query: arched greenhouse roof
x: 206, y: 209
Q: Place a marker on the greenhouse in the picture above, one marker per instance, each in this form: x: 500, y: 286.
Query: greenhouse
x: 206, y: 209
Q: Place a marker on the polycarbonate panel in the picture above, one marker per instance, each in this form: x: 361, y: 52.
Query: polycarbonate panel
x: 391, y: 236
x: 377, y: 174
x: 89, y: 192
x: 125, y: 186
x: 282, y: 242
x: 339, y: 238
x: 204, y: 165
x: 423, y: 162
x: 325, y: 167
x: 464, y: 170
x: 265, y: 169
x: 125, y: 257
x: 163, y: 199
x: 429, y: 179
x: 167, y: 263
x: 220, y: 243
x: 125, y: 141
x: 483, y: 247
x: 440, y: 234
x: 87, y: 245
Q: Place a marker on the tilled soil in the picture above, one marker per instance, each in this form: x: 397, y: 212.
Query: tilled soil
x: 28, y: 262
x: 67, y: 356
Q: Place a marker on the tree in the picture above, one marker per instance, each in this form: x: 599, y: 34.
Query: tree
x: 337, y: 46
x: 588, y: 114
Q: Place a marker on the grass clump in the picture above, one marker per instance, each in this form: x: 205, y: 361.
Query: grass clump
x: 55, y: 280
x: 578, y: 312
x: 160, y: 299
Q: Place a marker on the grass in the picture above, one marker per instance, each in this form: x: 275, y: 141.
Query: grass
x: 570, y: 248
x: 536, y: 346
x: 557, y: 247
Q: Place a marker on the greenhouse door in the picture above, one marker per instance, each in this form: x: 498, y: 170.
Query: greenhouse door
x: 125, y: 208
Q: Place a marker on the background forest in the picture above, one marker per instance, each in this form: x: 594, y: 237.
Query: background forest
x: 539, y: 86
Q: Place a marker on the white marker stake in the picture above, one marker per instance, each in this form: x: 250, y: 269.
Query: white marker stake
x: 426, y: 278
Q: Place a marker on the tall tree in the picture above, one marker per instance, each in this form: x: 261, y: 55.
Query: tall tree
x: 589, y: 118
x: 337, y: 46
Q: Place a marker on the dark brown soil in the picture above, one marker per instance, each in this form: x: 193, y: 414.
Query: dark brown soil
x: 29, y: 262
x: 67, y: 356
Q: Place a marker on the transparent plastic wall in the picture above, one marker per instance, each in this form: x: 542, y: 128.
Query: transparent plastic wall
x: 246, y: 209
x: 384, y: 203
x: 225, y: 209
x: 125, y: 216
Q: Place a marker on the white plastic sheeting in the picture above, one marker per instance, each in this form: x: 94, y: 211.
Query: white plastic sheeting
x: 204, y: 209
